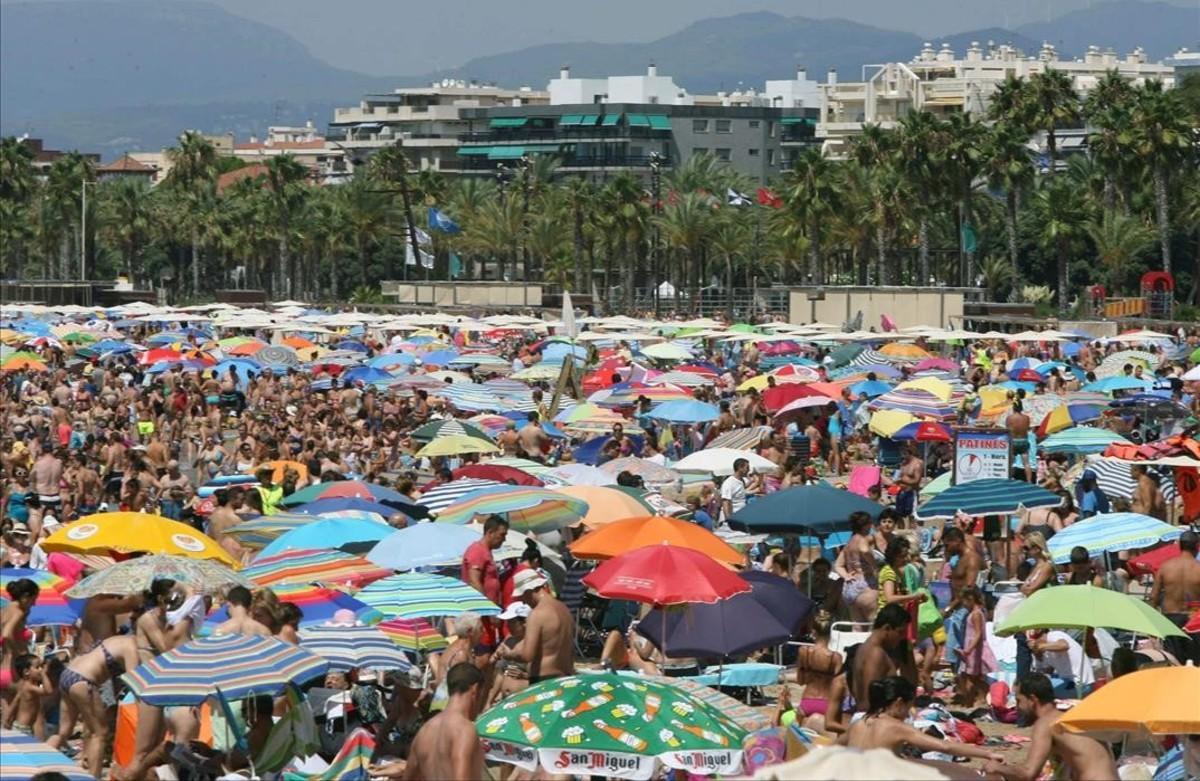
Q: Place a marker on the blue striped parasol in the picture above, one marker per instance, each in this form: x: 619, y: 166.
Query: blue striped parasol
x: 25, y: 756
x: 1082, y: 439
x: 417, y: 595
x: 354, y: 647
x: 536, y: 510
x: 240, y: 665
x: 1111, y: 533
x: 987, y: 497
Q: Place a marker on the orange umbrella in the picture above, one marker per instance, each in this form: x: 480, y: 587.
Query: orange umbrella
x: 1154, y: 700
x: 23, y: 364
x: 246, y: 348
x: 631, y: 533
x: 831, y: 389
x: 904, y: 350
x: 280, y: 467
x: 297, y: 342
x: 606, y: 504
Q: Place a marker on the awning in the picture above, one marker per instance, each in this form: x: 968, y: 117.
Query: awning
x: 798, y: 121
x: 570, y: 119
x: 506, y: 152
x: 610, y: 120
x: 474, y: 150
x: 508, y: 121
x: 541, y: 148
x: 589, y: 119
x: 365, y: 125
x: 659, y: 122
x: 639, y: 120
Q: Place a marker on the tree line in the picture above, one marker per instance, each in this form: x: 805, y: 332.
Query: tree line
x: 954, y: 200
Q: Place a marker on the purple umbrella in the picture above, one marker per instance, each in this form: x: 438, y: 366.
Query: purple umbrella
x: 769, y: 614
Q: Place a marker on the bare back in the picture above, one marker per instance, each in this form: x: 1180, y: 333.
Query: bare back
x: 551, y: 632
x: 1179, y: 584
x: 446, y: 748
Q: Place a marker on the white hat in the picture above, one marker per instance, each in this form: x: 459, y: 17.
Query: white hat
x: 515, y: 610
x: 527, y: 580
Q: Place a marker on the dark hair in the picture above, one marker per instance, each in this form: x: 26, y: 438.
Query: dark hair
x: 158, y: 592
x: 848, y: 664
x: 240, y: 596
x: 290, y: 614
x: 462, y: 677
x: 859, y: 522
x: 532, y: 417
x: 22, y: 587
x: 1124, y: 661
x: 494, y: 522
x: 1189, y: 541
x: 22, y: 664
x: 222, y: 497
x: 821, y: 560
x: 1038, y: 686
x: 891, y: 616
x: 532, y: 553
x: 889, y: 513
x: 895, y: 548
x: 738, y: 463
x: 883, y: 692
x: 953, y: 534
x: 1079, y: 555
x: 49, y: 775
x: 971, y: 592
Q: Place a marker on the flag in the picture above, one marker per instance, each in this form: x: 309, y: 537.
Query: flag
x: 768, y: 198
x: 422, y: 236
x: 969, y: 243
x: 409, y: 260
x: 569, y: 329
x: 440, y: 221
x: 737, y: 199
x: 456, y: 267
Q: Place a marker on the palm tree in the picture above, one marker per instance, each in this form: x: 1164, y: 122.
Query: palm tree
x: 1052, y: 103
x: 1010, y: 103
x: 17, y: 182
x: 996, y: 273
x: 961, y: 149
x: 367, y: 216
x: 890, y: 198
x: 580, y: 196
x: 64, y: 188
x: 730, y: 239
x: 1119, y: 240
x: 686, y: 224
x: 1107, y: 109
x: 1059, y: 214
x: 17, y: 188
x: 391, y: 166
x: 1008, y: 166
x: 1161, y: 134
x: 194, y: 173
x: 496, y: 231
x: 548, y: 235
x: 920, y: 149
x: 809, y: 194
x: 285, y: 182
x: 124, y: 219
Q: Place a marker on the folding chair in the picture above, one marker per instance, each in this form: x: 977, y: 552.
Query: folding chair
x: 843, y: 634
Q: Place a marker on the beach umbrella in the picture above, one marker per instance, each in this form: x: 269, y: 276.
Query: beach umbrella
x: 317, y: 604
x: 535, y: 510
x: 24, y: 757
x: 276, y: 356
x: 745, y: 716
x: 685, y: 379
x: 578, y: 475
x: 850, y: 763
x: 988, y: 497
x: 870, y: 388
x: 497, y: 473
x: 449, y: 428
x: 1116, y: 479
x: 239, y: 666
x: 360, y: 508
x: 1067, y: 415
x: 916, y: 401
x: 1111, y: 533
x: 1086, y: 607
x: 438, y: 498
x: 627, y: 397
x: 52, y: 607
x: 313, y: 566
x: 767, y: 615
x: 134, y: 576
x: 354, y: 647
x: 719, y: 461
x: 1120, y: 383
x: 814, y: 509
x: 938, y: 364
x: 279, y: 469
x: 579, y: 724
x: 684, y: 411
x: 421, y: 595
x: 622, y: 536
x: 886, y: 422
x: 904, y: 352
x: 127, y: 532
x: 664, y: 575
x: 257, y: 533
x: 1148, y: 563
x: 667, y: 351
x: 923, y: 431
x: 606, y: 504
x: 455, y: 445
x: 439, y: 357
x: 742, y: 438
x: 422, y: 545
x: 1082, y: 439
x: 647, y: 470
x: 803, y: 404
x: 22, y: 364
x: 413, y: 634
x: 1159, y: 700
x: 347, y: 534
x: 347, y: 489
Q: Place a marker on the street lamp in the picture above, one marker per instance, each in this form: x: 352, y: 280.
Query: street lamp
x: 656, y: 162
x: 83, y: 230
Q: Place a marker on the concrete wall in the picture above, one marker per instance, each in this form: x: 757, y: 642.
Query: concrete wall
x: 498, y: 295
x: 933, y: 306
x: 742, y: 137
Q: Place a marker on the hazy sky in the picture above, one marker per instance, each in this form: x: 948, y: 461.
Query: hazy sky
x: 408, y: 37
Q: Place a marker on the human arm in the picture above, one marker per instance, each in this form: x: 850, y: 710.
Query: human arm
x: 835, y: 722
x: 1035, y: 759
x: 976, y: 620
x: 1038, y: 578
x: 903, y: 733
x: 889, y: 590
x: 1156, y: 590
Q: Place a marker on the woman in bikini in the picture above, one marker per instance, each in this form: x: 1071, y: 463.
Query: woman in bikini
x: 857, y: 566
x: 14, y: 637
x: 816, y: 668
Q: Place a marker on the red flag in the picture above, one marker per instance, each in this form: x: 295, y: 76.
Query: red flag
x: 768, y: 198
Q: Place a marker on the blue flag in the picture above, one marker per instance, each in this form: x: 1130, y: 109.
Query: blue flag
x: 439, y: 220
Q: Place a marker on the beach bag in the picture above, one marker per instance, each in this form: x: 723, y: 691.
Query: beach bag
x: 998, y: 701
x: 968, y: 732
x: 929, y: 618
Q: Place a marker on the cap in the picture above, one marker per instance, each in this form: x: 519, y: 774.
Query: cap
x: 527, y: 580
x: 515, y: 610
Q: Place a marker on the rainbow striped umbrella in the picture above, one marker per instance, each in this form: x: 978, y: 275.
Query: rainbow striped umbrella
x: 240, y: 666
x: 627, y: 397
x: 52, y: 607
x: 413, y: 634
x: 313, y: 566
x: 535, y: 510
x: 354, y: 759
x: 317, y: 604
x: 259, y: 532
x: 25, y: 756
x: 419, y: 595
x: 354, y: 647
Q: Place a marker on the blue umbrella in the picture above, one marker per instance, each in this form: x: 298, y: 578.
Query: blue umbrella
x: 589, y: 452
x: 1112, y: 384
x: 988, y: 497
x: 554, y: 353
x: 339, y: 504
x: 1016, y: 385
x: 348, y: 534
x: 870, y: 388
x: 1081, y: 440
x: 111, y: 346
x: 392, y: 359
x: 353, y: 346
x: 439, y: 357
x: 243, y: 369
x: 364, y: 374
x: 818, y: 509
x: 25, y: 757
x: 1112, y: 533
x: 423, y: 545
x: 354, y: 647
x: 685, y: 411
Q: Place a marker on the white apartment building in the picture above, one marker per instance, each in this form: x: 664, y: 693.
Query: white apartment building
x: 939, y: 81
x: 427, y: 121
x: 326, y: 160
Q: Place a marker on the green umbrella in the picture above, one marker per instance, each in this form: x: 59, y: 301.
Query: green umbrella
x: 611, y: 725
x: 1195, y: 357
x: 743, y: 328
x: 79, y: 337
x: 1084, y: 607
x: 445, y: 428
x: 845, y: 354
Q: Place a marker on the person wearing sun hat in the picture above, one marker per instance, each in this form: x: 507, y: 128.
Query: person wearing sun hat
x: 549, y: 645
x: 512, y: 675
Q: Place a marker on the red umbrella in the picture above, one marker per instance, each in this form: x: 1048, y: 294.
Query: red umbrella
x: 784, y: 394
x: 665, y: 575
x: 1149, y: 562
x: 1028, y: 375
x: 151, y: 357
x: 928, y: 431
x: 499, y: 473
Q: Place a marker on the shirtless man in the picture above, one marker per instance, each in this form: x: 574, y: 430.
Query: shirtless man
x: 1018, y: 432
x: 533, y: 439
x: 87, y: 486
x: 509, y: 441
x: 548, y: 646
x: 221, y: 520
x: 1176, y: 590
x: 1147, y: 497
x: 1081, y: 757
x: 911, y: 472
x: 964, y: 573
x: 874, y: 658
x: 447, y: 747
x: 47, y: 479
x: 240, y: 621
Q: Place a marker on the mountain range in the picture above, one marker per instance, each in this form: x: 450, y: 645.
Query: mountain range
x: 131, y: 74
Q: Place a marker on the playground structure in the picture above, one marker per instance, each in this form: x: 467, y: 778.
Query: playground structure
x: 1156, y: 301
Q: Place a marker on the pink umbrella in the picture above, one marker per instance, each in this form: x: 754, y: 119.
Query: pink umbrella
x: 937, y: 364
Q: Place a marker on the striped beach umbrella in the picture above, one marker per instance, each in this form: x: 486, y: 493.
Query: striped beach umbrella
x: 494, y: 425
x: 317, y: 604
x: 313, y: 566
x: 917, y: 401
x: 1068, y: 415
x: 240, y: 666
x: 627, y: 397
x: 352, y: 535
x: 258, y: 533
x: 1082, y: 439
x: 137, y: 575
x: 423, y: 545
x: 450, y: 427
x: 1111, y: 533
x: 413, y: 634
x: 988, y: 497
x: 354, y: 647
x: 1117, y: 481
x: 347, y: 489
x: 535, y: 510
x: 439, y: 498
x: 471, y: 397
x: 24, y: 756
x: 419, y: 595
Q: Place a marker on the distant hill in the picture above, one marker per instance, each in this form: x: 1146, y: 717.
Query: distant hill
x: 1159, y: 28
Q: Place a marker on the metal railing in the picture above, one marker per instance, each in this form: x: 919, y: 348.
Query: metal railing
x: 564, y: 134
x: 481, y: 163
x: 741, y: 302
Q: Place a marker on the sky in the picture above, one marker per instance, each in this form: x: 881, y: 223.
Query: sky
x: 408, y: 37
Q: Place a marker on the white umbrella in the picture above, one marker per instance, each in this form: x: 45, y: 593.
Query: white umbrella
x: 849, y: 764
x: 719, y: 461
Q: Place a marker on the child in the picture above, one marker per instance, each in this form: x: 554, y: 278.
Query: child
x: 26, y: 715
x: 975, y: 657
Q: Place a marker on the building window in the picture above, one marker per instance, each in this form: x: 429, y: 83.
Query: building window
x: 699, y: 125
x: 753, y: 152
x: 724, y: 126
x: 771, y: 129
x: 754, y: 124
x: 770, y: 157
x: 700, y: 150
x: 653, y: 99
x: 723, y: 154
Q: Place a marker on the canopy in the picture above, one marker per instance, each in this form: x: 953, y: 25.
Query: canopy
x: 354, y: 647
x: 135, y: 533
x: 419, y: 595
x: 631, y: 533
x: 719, y: 461
x: 664, y: 575
x: 25, y: 757
x: 423, y: 545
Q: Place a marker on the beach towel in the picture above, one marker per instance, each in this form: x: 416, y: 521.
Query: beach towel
x: 862, y: 478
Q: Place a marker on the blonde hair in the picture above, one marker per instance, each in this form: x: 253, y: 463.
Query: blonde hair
x: 1036, y: 540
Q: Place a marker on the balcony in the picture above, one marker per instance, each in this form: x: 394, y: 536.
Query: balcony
x: 482, y: 163
x: 562, y: 134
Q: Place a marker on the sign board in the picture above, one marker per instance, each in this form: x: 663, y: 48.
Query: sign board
x: 981, y: 453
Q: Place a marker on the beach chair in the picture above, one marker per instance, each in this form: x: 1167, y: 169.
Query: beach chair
x: 843, y: 634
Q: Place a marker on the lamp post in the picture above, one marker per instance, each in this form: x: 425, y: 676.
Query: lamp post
x: 502, y: 176
x: 526, y: 165
x: 83, y: 230
x: 655, y: 184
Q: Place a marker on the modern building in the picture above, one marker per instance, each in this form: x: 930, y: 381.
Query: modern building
x: 1184, y: 61
x: 43, y: 158
x: 426, y: 120
x: 326, y: 160
x: 939, y: 81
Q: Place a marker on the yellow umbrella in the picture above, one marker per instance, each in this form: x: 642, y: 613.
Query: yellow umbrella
x: 606, y: 505
x: 757, y: 382
x: 279, y: 470
x: 886, y: 422
x: 904, y: 350
x: 940, y: 388
x: 995, y: 400
x: 1155, y: 700
x: 457, y: 444
x: 135, y: 533
x: 11, y: 337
